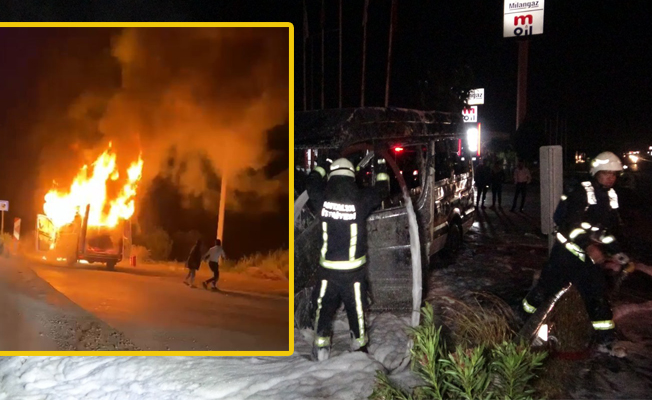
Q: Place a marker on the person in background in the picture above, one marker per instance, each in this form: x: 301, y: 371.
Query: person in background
x: 497, y: 180
x: 193, y: 263
x: 482, y: 176
x: 213, y: 257
x: 522, y: 178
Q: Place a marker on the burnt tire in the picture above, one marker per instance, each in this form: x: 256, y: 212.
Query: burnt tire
x: 110, y: 265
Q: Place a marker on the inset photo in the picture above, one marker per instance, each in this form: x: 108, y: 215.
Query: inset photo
x: 144, y: 189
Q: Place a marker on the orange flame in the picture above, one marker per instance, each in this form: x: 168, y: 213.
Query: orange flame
x: 61, y: 207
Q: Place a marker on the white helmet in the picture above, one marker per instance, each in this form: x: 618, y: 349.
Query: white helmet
x: 342, y: 167
x: 606, y: 161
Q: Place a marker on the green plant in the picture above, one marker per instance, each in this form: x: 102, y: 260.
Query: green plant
x: 468, y: 373
x: 513, y: 366
x: 481, y: 367
x: 427, y: 350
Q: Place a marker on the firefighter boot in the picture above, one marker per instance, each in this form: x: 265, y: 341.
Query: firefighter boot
x: 359, y: 344
x: 321, y: 348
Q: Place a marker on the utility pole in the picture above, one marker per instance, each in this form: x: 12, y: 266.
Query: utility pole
x: 312, y: 74
x: 323, y: 22
x: 220, y: 221
x: 364, y: 48
x: 340, y: 83
x: 392, y: 18
x: 306, y: 34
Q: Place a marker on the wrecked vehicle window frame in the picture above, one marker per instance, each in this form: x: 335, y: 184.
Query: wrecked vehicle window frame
x: 442, y: 206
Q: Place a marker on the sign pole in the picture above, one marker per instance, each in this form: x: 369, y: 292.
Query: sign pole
x: 521, y: 92
x: 521, y: 20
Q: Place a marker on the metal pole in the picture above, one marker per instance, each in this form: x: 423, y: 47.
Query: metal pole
x: 340, y: 83
x: 306, y: 33
x: 2, y: 230
x: 364, y: 48
x: 389, y: 50
x: 312, y: 74
x: 521, y: 94
x: 220, y: 221
x: 323, y: 22
x: 565, y: 142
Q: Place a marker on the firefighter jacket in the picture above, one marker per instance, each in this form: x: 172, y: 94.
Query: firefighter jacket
x: 590, y: 216
x: 343, y: 209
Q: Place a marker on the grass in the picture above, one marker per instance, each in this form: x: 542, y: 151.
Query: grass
x: 274, y: 265
x: 485, y: 319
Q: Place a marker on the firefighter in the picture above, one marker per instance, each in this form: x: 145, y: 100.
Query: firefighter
x: 343, y: 209
x: 587, y: 222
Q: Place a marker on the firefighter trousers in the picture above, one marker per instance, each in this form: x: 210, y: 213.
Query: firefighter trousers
x: 333, y: 288
x: 588, y: 278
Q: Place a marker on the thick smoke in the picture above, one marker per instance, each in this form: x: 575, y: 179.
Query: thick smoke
x: 197, y: 102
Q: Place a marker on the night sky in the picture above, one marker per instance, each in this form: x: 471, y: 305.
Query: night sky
x: 200, y: 104
x: 590, y: 68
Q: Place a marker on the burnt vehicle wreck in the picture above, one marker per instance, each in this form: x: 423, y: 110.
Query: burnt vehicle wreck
x: 429, y: 208
x: 80, y: 242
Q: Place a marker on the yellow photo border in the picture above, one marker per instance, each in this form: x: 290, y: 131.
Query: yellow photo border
x: 288, y: 25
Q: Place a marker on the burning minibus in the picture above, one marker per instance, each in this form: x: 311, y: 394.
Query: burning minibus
x: 90, y: 222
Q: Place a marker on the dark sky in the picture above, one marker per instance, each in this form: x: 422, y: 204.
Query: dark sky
x: 200, y: 104
x: 590, y: 66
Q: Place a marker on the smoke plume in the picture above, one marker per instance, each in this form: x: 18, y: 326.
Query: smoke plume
x: 197, y: 102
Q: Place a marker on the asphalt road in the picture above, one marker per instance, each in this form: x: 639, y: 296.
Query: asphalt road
x: 159, y: 312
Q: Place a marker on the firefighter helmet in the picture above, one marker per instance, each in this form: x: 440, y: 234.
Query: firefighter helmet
x: 606, y: 161
x: 342, y: 167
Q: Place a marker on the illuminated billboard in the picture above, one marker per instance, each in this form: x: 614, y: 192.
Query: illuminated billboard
x: 523, y: 18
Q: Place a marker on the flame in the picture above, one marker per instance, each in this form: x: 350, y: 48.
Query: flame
x: 90, y: 188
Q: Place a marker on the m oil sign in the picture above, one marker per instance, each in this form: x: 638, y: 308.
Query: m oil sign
x: 523, y: 18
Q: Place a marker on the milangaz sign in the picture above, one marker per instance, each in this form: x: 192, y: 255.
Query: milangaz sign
x: 523, y: 18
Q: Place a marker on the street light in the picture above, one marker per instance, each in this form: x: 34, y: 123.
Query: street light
x: 472, y: 139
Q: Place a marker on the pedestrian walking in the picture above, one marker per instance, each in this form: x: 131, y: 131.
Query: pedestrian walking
x: 192, y: 263
x: 522, y: 178
x: 213, y: 256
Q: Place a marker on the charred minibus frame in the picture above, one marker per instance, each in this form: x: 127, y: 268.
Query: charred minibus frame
x: 79, y: 242
x: 429, y: 208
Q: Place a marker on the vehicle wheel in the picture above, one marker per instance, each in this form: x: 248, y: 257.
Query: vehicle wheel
x: 110, y: 265
x: 303, y: 310
x: 454, y: 239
